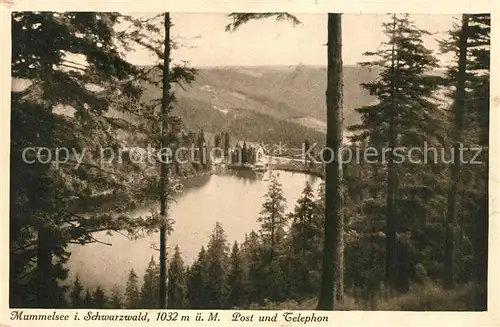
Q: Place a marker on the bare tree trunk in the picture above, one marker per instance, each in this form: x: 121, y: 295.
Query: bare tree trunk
x: 332, y: 274
x: 164, y: 167
x: 458, y: 125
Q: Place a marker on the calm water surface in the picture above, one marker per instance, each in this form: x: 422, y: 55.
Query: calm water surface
x: 233, y: 199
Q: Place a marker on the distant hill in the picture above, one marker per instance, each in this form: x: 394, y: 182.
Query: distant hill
x: 271, y: 104
x: 265, y: 103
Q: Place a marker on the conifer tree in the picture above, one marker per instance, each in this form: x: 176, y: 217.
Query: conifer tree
x: 76, y: 294
x: 306, y: 226
x: 40, y: 48
x: 227, y: 144
x: 244, y: 153
x: 99, y: 298
x: 149, y: 289
x: 321, y: 196
x: 197, y: 281
x: 459, y: 120
x: 474, y: 55
x: 177, y: 287
x: 87, y: 300
x: 406, y: 115
x: 217, y: 268
x: 256, y: 283
x: 132, y: 296
x: 305, y: 236
x: 43, y: 43
x: 273, y: 223
x: 272, y: 218
x: 217, y: 140
x: 481, y: 46
x: 236, y: 279
x: 116, y: 299
x: 237, y: 154
x: 201, y: 148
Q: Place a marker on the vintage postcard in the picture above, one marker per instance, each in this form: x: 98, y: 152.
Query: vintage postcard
x: 249, y: 164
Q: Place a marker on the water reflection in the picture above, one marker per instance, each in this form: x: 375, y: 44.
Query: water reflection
x: 193, y: 183
x: 244, y: 174
x: 234, y: 198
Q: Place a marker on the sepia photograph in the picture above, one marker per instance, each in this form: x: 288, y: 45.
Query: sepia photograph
x: 249, y: 161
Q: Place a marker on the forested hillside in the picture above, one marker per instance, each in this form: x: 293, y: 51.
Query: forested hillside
x: 265, y: 103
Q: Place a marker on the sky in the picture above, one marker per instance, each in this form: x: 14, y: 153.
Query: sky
x: 270, y: 43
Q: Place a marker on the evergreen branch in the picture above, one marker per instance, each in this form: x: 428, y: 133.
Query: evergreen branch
x: 240, y: 19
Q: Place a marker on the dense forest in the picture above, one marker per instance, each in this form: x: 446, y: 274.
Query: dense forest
x: 387, y: 234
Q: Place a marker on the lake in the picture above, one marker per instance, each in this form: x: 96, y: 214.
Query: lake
x: 233, y: 198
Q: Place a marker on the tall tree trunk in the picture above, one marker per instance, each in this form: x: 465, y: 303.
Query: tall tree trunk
x: 164, y: 167
x: 458, y: 126
x: 332, y: 274
x: 390, y: 261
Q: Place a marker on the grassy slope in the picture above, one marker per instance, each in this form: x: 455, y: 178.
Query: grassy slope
x: 429, y: 297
